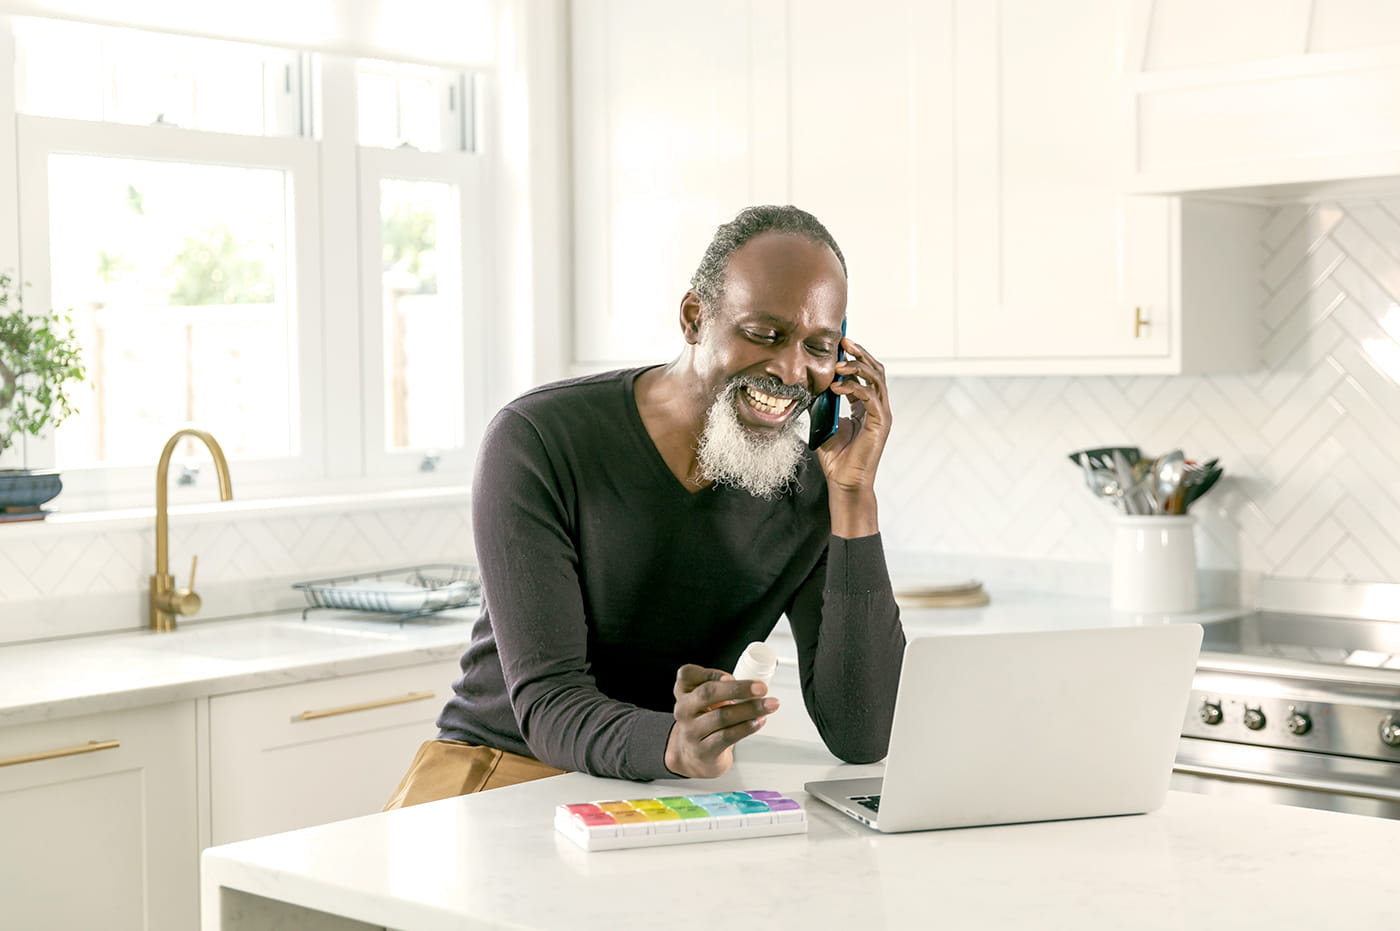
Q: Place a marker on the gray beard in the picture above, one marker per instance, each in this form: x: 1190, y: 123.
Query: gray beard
x: 730, y: 454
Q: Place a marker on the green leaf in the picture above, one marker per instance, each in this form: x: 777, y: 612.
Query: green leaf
x: 40, y: 357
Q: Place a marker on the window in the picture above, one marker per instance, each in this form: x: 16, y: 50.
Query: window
x: 420, y: 295
x: 170, y: 192
x: 428, y: 109
x: 177, y: 276
x: 191, y: 268
x: 82, y: 72
x: 421, y: 194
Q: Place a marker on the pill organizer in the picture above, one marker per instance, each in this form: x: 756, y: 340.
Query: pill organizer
x: 679, y: 819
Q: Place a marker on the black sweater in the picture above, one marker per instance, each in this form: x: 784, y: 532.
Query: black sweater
x: 603, y: 575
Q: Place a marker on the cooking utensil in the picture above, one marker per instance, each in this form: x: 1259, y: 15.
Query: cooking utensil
x: 1196, y: 486
x: 1101, y: 482
x: 1166, y: 478
x: 1101, y: 457
x: 1124, y: 472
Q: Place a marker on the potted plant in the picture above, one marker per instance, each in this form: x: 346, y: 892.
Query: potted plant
x: 39, y: 358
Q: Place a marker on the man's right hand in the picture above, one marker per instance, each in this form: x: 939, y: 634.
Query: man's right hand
x: 712, y: 715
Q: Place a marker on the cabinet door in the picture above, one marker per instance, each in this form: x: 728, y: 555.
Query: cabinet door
x: 299, y: 755
x: 99, y: 817
x: 677, y: 126
x: 1054, y: 263
x: 871, y: 115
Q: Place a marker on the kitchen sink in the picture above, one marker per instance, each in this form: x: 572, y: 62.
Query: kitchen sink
x: 262, y: 639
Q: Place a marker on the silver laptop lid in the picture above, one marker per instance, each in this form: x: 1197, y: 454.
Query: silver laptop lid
x: 1003, y: 728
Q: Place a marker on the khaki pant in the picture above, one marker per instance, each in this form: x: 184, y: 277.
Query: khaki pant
x: 447, y: 768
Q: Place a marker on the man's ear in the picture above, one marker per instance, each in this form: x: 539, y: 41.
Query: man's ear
x: 692, y: 313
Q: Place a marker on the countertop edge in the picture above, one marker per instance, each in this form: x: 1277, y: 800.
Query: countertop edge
x: 289, y: 670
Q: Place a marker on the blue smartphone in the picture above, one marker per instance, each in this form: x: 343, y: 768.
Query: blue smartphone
x: 825, y: 412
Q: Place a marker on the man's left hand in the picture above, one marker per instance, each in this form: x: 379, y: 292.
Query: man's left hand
x: 851, y: 457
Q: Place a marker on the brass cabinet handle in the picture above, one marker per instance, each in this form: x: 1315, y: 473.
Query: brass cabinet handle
x: 1139, y: 323
x: 89, y: 747
x: 364, y: 705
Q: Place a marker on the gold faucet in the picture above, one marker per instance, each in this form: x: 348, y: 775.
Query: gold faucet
x: 166, y: 600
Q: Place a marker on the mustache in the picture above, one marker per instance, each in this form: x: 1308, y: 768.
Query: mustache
x: 771, y: 386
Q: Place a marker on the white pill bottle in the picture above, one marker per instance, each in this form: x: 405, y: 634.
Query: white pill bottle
x: 758, y: 662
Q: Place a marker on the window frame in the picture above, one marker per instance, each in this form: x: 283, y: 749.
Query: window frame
x: 339, y: 417
x: 466, y: 171
x: 39, y: 137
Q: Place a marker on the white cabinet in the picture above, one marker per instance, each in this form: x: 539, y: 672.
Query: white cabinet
x: 673, y: 134
x: 298, y: 755
x: 1278, y: 99
x: 98, y: 822
x: 870, y: 110
x: 965, y: 153
x: 1058, y: 270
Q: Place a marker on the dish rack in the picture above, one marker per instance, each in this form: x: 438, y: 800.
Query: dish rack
x: 413, y: 591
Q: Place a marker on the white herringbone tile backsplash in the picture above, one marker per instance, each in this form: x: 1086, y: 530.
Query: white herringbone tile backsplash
x: 73, y: 582
x: 1310, y: 441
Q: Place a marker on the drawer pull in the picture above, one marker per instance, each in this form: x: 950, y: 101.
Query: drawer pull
x: 89, y: 747
x: 365, y: 705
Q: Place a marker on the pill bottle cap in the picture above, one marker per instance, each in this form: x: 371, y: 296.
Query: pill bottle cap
x: 758, y: 662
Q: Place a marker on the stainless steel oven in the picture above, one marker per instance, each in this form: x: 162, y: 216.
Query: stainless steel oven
x: 1297, y: 709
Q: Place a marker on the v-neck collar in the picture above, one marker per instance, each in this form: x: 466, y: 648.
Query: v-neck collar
x: 663, y: 471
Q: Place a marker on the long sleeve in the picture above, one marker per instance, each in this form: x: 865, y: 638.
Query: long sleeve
x: 531, y: 575
x: 850, y: 645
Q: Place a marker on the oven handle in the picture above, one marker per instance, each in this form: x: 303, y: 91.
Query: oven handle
x: 1293, y: 782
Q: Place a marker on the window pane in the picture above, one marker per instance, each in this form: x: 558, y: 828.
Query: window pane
x: 377, y: 96
x: 176, y: 275
x: 422, y: 314
x: 426, y: 108
x: 78, y: 71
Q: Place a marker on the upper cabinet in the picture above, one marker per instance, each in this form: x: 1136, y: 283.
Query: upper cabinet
x: 672, y: 129
x: 965, y: 153
x: 870, y: 111
x: 1057, y: 264
x: 1058, y: 270
x: 1277, y: 99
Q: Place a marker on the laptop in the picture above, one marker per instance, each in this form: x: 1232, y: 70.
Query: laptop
x: 1041, y: 726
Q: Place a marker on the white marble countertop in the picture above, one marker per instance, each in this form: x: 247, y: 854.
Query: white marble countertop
x: 1014, y: 611
x: 80, y: 675
x: 60, y: 678
x: 494, y: 860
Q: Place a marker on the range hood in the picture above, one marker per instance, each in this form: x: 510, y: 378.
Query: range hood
x: 1309, y: 125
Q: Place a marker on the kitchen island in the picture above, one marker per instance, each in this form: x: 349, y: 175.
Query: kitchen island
x: 494, y: 860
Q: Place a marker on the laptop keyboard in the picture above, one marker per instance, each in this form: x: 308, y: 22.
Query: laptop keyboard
x: 869, y: 801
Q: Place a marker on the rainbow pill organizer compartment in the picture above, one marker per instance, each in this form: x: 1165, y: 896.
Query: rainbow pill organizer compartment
x: 679, y: 819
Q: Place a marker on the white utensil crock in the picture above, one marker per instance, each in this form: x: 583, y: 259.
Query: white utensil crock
x: 1154, y: 564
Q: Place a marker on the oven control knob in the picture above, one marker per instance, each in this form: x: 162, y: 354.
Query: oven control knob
x: 1298, y: 721
x: 1390, y: 731
x: 1211, y: 713
x: 1254, y: 719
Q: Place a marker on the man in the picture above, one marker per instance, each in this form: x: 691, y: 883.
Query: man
x: 636, y: 530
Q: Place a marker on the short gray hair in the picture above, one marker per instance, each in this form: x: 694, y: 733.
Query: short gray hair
x: 708, y: 280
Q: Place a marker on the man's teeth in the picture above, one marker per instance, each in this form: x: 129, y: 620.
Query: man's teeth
x: 766, y: 402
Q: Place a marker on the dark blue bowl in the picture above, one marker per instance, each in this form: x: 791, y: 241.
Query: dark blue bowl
x: 28, y: 488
